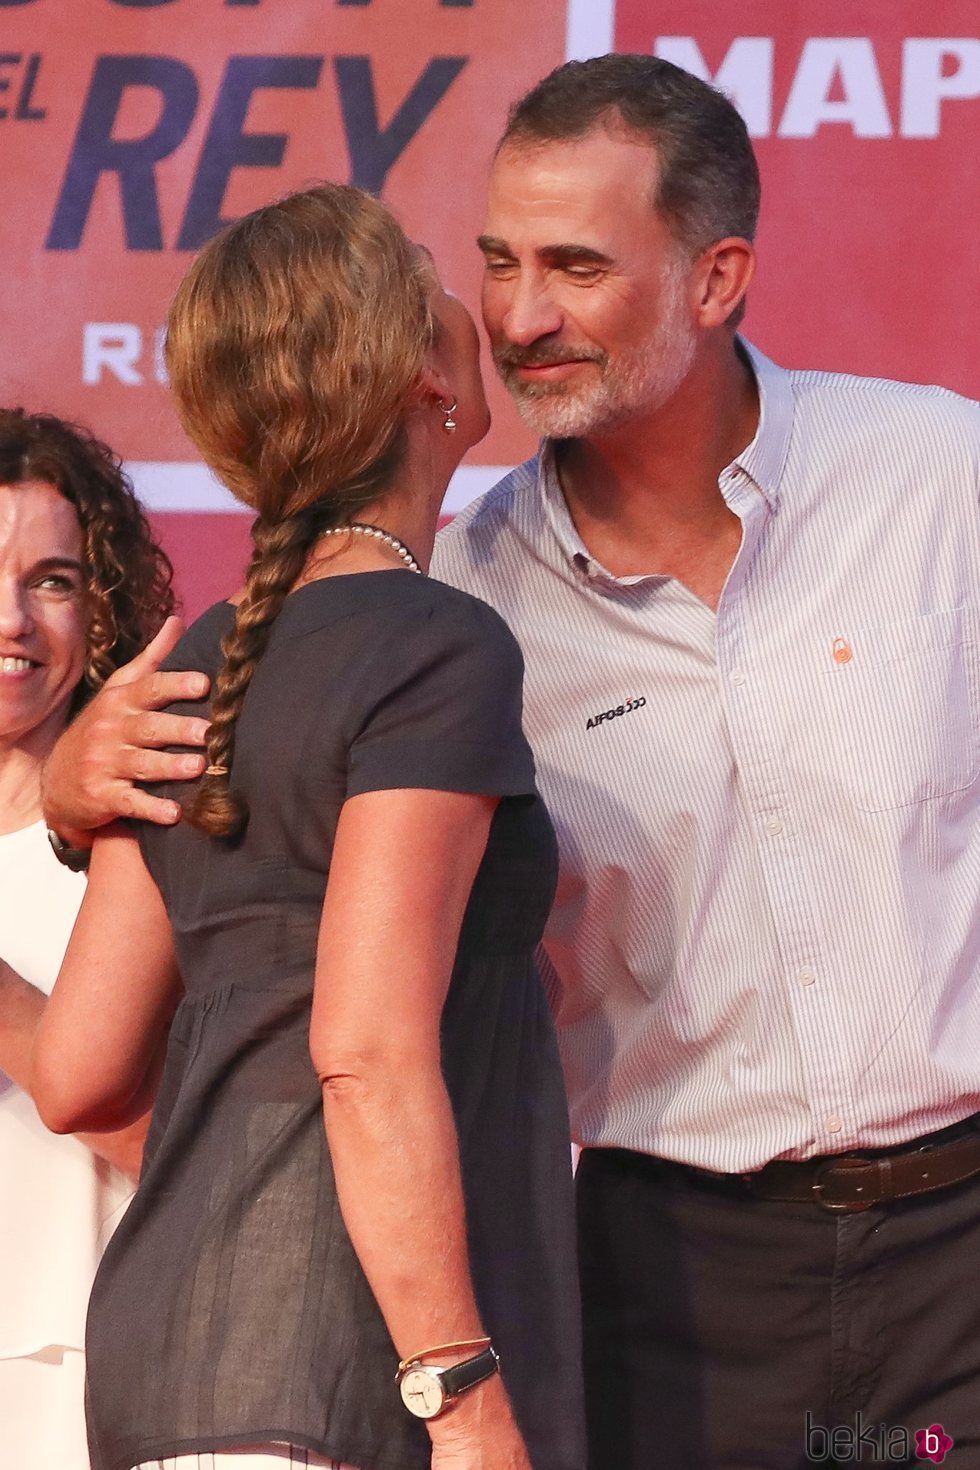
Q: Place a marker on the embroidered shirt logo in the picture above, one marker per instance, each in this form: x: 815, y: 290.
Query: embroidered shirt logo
x: 626, y: 708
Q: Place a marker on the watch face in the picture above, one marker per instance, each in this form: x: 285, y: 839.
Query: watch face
x: 422, y: 1393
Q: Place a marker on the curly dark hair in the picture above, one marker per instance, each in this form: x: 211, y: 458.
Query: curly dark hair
x: 129, y: 576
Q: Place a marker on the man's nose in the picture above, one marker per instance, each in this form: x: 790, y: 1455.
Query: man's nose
x: 531, y: 311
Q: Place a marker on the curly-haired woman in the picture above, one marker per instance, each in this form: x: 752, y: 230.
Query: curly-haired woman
x: 82, y: 587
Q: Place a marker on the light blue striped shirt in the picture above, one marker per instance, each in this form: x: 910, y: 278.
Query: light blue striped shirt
x: 766, y: 939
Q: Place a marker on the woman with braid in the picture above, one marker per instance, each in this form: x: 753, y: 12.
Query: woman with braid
x: 352, y: 1243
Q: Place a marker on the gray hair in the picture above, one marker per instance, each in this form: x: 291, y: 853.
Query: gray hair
x: 708, y: 185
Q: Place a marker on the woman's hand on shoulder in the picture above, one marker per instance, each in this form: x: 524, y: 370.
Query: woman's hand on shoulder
x: 479, y: 1433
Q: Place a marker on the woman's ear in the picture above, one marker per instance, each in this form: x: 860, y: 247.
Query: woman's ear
x: 433, y: 383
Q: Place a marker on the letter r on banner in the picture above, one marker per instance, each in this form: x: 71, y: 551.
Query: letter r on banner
x: 96, y: 151
x: 114, y: 346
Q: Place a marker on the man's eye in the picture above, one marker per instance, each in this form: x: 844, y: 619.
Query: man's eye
x: 583, y: 272
x: 499, y: 267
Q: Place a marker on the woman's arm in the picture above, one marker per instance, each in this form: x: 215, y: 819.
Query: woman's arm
x: 21, y: 1007
x: 401, y: 872
x: 99, y: 1045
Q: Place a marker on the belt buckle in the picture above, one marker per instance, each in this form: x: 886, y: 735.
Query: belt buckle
x: 839, y: 1207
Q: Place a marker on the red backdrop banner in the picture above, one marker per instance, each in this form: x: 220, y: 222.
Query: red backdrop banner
x: 132, y: 128
x: 865, y: 119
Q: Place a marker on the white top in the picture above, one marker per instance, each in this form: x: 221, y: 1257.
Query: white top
x: 766, y: 939
x: 59, y: 1203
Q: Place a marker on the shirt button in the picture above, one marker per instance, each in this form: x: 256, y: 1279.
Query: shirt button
x: 774, y: 825
x: 833, y: 1125
x: 807, y: 977
x: 738, y: 677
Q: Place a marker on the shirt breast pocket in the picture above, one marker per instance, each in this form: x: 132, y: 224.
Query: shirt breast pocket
x: 902, y: 702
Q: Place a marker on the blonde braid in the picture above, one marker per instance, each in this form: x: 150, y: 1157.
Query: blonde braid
x: 280, y: 554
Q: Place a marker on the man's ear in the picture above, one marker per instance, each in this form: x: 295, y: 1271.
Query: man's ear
x: 723, y: 275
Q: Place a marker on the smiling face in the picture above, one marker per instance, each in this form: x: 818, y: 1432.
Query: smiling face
x: 586, y: 293
x: 43, y: 612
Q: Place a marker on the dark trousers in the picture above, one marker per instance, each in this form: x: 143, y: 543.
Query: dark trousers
x: 726, y: 1333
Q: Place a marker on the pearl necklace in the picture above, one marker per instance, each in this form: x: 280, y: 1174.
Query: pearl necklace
x: 361, y: 528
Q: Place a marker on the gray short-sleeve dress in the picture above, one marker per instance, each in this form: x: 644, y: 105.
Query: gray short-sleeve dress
x: 230, y: 1307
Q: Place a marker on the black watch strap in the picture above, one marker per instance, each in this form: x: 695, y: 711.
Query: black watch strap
x: 467, y: 1375
x: 76, y: 858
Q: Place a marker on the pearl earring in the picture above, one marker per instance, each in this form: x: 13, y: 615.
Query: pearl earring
x: 449, y: 423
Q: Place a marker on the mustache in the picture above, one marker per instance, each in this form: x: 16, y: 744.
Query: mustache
x: 545, y: 355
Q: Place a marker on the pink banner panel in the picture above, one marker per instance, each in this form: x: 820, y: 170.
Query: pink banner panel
x: 133, y: 128
x: 865, y: 119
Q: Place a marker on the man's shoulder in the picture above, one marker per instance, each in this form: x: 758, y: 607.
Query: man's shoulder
x: 496, y: 507
x: 508, y: 513
x: 856, y: 399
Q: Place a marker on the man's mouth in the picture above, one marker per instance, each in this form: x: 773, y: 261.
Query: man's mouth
x: 543, y: 366
x: 524, y: 360
x: 547, y: 369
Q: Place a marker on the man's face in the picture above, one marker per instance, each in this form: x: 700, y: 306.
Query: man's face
x: 43, y: 610
x: 586, y: 292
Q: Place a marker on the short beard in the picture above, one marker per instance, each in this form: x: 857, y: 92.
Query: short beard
x: 639, y: 382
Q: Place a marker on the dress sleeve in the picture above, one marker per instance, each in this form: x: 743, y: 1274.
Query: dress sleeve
x: 199, y: 649
x: 443, y: 710
x: 200, y: 646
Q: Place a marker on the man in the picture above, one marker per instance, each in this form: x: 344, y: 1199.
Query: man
x: 748, y: 604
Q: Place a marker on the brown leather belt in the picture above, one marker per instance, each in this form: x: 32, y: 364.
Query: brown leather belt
x: 847, y: 1182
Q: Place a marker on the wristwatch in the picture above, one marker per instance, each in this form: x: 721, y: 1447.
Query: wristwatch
x: 76, y: 858
x: 427, y: 1391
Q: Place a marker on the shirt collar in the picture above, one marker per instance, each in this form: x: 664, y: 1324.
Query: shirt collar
x: 556, y: 507
x: 762, y: 460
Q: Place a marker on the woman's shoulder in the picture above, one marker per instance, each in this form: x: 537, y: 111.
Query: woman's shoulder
x: 454, y: 635
x: 409, y: 630
x: 450, y: 607
x: 396, y: 611
x: 200, y: 646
